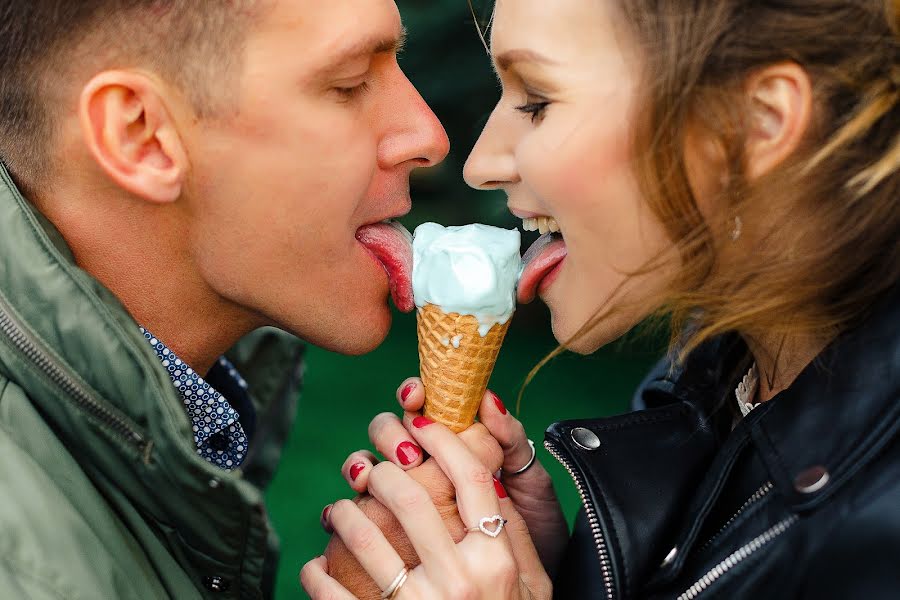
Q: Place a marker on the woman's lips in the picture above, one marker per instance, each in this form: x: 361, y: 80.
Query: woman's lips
x: 540, y: 261
x: 391, y: 245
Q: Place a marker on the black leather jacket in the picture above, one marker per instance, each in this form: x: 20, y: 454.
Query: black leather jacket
x: 800, y: 500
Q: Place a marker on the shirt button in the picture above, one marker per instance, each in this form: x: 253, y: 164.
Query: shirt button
x: 216, y: 584
x: 218, y: 442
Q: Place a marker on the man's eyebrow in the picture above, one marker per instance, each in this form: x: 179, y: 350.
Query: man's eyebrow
x: 505, y: 60
x: 367, y: 47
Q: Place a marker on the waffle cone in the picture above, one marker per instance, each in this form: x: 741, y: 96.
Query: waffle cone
x: 455, y: 378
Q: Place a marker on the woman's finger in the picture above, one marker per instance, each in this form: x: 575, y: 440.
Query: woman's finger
x: 474, y: 483
x: 356, y: 469
x: 411, y: 394
x: 318, y: 584
x: 394, y: 442
x: 507, y: 430
x: 414, y: 509
x: 528, y: 561
x: 366, y: 542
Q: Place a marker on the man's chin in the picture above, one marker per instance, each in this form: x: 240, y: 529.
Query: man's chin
x: 356, y: 337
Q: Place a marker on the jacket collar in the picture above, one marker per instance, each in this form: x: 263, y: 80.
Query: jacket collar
x: 840, y: 411
x: 128, y: 429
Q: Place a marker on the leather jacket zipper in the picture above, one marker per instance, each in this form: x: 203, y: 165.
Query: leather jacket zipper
x: 736, y: 557
x: 758, y: 495
x: 61, y: 377
x: 593, y: 520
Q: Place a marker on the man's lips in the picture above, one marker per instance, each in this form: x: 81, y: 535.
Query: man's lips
x: 391, y: 245
x: 541, y: 260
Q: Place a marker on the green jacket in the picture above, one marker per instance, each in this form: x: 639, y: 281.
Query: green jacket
x: 102, y: 493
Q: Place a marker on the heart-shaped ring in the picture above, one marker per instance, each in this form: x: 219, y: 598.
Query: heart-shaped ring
x: 496, y: 522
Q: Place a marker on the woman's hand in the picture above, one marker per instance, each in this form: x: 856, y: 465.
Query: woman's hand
x: 479, y: 566
x: 531, y: 491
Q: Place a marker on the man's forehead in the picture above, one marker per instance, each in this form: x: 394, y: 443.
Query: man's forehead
x: 338, y: 30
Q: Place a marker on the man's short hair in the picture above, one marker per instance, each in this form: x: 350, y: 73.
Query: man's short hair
x: 195, y: 44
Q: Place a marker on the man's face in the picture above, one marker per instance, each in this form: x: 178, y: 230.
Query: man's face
x: 324, y: 133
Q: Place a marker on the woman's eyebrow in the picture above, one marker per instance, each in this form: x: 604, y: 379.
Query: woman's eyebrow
x: 506, y: 59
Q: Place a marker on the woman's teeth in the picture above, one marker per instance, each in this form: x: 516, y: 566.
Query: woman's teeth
x: 543, y: 224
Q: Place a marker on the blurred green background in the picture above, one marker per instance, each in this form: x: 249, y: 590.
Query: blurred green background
x: 447, y: 63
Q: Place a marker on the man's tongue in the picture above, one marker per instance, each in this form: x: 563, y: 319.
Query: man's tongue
x: 541, y: 258
x: 391, y: 244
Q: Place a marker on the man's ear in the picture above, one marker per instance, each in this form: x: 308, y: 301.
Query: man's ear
x: 780, y: 98
x: 132, y: 135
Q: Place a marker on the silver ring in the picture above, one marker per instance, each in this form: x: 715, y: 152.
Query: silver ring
x: 394, y: 588
x: 527, y: 465
x: 496, y: 521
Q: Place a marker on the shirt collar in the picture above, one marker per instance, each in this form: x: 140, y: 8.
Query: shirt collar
x: 218, y: 433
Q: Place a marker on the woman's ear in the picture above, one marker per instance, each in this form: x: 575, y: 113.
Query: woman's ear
x: 780, y: 98
x: 132, y: 136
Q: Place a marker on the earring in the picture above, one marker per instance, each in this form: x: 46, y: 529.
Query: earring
x: 737, y: 229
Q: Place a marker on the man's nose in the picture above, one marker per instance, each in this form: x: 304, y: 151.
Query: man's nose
x: 417, y: 135
x: 492, y: 162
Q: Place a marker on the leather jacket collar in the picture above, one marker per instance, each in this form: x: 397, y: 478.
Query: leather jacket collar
x: 650, y: 478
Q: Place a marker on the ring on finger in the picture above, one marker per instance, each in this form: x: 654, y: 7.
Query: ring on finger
x: 527, y: 465
x: 489, y: 526
x: 392, y: 590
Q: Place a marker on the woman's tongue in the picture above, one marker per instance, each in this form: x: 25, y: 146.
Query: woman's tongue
x: 539, y: 261
x: 391, y: 244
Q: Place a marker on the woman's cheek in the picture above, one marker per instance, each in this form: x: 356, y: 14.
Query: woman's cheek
x: 573, y: 167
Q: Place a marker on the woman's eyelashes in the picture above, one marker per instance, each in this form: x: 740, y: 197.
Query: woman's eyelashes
x: 537, y: 109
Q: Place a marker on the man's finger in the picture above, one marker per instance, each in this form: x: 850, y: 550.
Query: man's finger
x: 318, y: 584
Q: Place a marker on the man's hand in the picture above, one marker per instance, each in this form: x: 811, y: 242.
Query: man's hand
x: 343, y: 567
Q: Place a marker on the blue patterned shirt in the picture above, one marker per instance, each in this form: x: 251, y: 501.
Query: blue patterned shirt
x: 218, y: 433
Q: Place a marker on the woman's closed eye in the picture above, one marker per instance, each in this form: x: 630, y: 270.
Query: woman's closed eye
x: 536, y: 107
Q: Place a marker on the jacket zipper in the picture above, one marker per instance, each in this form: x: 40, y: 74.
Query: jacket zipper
x: 593, y: 520
x: 58, y: 374
x: 735, y: 558
x: 758, y: 495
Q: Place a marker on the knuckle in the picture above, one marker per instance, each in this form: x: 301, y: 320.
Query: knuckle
x: 362, y: 538
x: 379, y: 422
x: 502, y: 567
x: 411, y: 498
x: 518, y: 526
x: 340, y: 510
x: 479, y: 475
x: 461, y: 589
x: 381, y: 469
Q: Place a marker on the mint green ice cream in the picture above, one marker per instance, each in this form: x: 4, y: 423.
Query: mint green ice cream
x: 469, y: 270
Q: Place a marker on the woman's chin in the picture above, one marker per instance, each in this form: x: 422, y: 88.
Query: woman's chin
x: 583, y: 343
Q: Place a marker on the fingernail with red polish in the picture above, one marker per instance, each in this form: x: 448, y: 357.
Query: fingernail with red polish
x: 501, y: 491
x: 499, y: 403
x: 356, y: 469
x: 406, y: 391
x: 325, y: 524
x: 420, y: 422
x: 408, y: 453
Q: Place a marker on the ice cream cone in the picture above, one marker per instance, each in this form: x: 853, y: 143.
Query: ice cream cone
x: 455, y: 363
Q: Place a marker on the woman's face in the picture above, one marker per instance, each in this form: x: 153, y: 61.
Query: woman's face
x: 558, y: 143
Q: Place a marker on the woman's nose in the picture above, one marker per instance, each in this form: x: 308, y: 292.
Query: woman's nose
x: 492, y: 162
